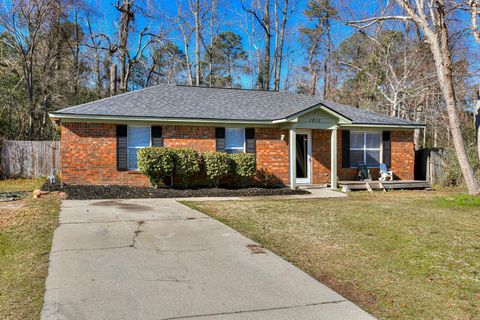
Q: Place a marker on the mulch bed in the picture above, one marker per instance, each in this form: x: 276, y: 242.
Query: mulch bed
x: 85, y: 192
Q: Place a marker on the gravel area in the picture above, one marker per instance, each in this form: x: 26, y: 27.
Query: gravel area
x: 86, y: 192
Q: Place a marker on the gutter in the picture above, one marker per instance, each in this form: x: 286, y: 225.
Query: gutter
x: 56, y: 116
x: 73, y: 117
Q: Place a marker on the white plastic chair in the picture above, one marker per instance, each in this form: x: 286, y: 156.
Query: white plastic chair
x: 385, y: 173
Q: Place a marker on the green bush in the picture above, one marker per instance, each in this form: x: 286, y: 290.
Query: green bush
x: 244, y: 166
x: 217, y: 165
x: 156, y: 163
x: 187, y: 163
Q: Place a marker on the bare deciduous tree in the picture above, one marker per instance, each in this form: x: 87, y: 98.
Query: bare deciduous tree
x: 25, y: 22
x: 431, y: 19
x: 280, y: 27
x: 262, y: 16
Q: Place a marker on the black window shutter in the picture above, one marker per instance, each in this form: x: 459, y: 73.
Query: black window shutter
x: 387, y: 149
x: 250, y: 140
x: 157, y: 140
x: 220, y: 139
x: 122, y: 148
x: 345, y: 149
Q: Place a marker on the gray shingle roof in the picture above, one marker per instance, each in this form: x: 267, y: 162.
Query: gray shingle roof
x: 176, y: 101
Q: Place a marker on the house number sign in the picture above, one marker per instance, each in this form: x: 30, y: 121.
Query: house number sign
x: 314, y: 120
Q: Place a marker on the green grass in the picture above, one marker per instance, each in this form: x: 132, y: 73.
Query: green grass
x: 18, y: 185
x: 459, y: 200
x: 26, y: 230
x: 399, y: 255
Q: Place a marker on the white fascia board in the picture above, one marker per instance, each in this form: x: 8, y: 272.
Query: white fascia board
x: 319, y: 106
x: 96, y: 118
x: 383, y: 126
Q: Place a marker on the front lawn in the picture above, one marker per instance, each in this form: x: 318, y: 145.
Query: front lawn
x: 26, y: 230
x: 399, y: 255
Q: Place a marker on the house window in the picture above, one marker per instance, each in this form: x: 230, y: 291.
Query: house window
x: 366, y: 147
x: 234, y: 140
x: 138, y: 138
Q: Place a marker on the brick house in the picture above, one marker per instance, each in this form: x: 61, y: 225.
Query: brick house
x: 298, y: 139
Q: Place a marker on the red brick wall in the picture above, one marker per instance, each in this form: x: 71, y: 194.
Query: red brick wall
x: 403, y: 154
x: 321, y: 156
x: 89, y: 156
x: 89, y: 153
x: 272, y: 152
x: 199, y: 138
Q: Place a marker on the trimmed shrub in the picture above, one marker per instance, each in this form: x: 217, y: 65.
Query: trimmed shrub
x: 156, y: 163
x: 217, y: 165
x: 244, y: 166
x: 187, y: 163
x: 268, y: 180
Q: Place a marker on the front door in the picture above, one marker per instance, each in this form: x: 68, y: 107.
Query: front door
x: 304, y: 156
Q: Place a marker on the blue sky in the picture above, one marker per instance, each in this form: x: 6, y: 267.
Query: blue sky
x: 230, y: 10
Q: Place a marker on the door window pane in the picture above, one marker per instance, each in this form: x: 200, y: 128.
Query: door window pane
x: 302, y: 154
x: 234, y: 140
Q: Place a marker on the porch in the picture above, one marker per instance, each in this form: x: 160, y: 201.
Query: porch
x: 384, y: 185
x: 373, y: 185
x: 324, y: 148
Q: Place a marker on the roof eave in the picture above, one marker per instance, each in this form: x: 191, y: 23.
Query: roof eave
x: 320, y: 106
x: 344, y: 122
x: 59, y: 116
x: 384, y: 125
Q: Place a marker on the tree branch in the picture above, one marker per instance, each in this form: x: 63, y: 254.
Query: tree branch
x: 365, y: 23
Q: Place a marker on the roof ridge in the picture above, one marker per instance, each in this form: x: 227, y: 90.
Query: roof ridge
x: 117, y: 95
x: 244, y: 89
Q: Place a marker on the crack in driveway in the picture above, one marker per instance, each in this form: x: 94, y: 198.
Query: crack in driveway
x: 136, y: 232
x: 253, y: 310
x: 134, y: 220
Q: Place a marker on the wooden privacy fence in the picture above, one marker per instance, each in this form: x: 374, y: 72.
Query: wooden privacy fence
x: 429, y: 165
x: 29, y: 159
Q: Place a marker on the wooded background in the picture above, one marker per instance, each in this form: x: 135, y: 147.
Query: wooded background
x: 414, y: 60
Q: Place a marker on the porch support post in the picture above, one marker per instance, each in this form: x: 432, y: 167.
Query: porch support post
x: 333, y: 160
x: 292, y: 141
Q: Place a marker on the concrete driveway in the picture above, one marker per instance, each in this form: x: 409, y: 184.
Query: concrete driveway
x: 157, y: 259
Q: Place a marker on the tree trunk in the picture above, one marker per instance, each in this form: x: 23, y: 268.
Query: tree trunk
x: 126, y: 17
x: 279, y: 42
x: 477, y: 125
x: 443, y: 62
x: 326, y: 70
x: 113, y: 79
x: 28, y: 73
x: 313, y: 83
x: 76, y: 57
x: 188, y: 63
x: 210, y: 56
x: 268, y: 36
x: 98, y: 72
x: 197, y: 42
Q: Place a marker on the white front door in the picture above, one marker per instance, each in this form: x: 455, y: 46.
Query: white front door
x: 304, y: 156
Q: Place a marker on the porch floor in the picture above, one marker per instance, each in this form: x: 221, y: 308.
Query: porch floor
x: 385, y: 185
